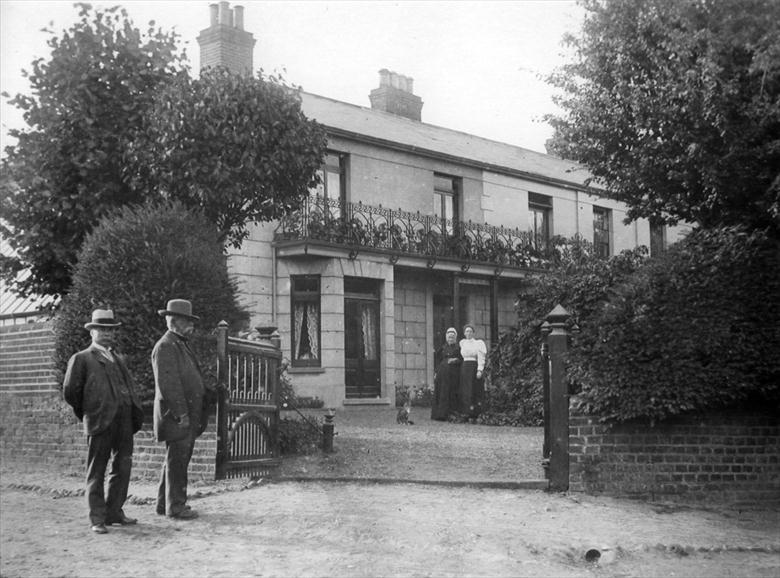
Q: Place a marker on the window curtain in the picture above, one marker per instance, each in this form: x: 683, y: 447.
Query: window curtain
x: 300, y: 311
x: 369, y: 332
x: 312, y: 321
x: 308, y: 312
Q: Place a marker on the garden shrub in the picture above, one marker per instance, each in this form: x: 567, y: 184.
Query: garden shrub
x: 580, y: 281
x: 696, y: 329
x: 299, y: 432
x: 133, y: 262
x: 300, y: 436
x: 414, y: 395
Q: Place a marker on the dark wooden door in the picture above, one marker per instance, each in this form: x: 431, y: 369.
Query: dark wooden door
x: 361, y: 347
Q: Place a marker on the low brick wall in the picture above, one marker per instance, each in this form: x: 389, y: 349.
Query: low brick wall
x: 41, y: 429
x: 38, y: 428
x: 721, y: 457
x: 26, y: 358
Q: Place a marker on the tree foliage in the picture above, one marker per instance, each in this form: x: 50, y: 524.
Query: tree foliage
x: 89, y: 100
x: 579, y: 280
x: 696, y: 329
x: 239, y: 148
x: 115, y: 120
x: 674, y: 107
x: 133, y: 262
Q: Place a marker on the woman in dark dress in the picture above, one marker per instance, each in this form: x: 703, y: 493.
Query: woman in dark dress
x: 445, y: 381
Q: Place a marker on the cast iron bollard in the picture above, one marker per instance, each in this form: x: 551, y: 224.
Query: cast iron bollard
x: 558, y: 471
x: 327, y: 431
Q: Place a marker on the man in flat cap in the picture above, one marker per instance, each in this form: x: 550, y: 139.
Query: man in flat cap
x: 179, y: 412
x: 101, y: 391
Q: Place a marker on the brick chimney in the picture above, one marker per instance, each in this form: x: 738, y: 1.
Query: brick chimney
x: 225, y: 42
x: 395, y: 94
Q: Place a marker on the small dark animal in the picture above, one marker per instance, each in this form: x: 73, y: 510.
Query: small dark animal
x: 403, y: 415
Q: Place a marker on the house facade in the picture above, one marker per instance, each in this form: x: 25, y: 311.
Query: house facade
x: 415, y: 228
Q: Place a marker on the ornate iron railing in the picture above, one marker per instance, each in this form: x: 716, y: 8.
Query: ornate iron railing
x: 398, y: 232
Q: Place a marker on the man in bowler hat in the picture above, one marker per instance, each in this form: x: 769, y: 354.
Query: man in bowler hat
x: 179, y: 412
x: 101, y: 391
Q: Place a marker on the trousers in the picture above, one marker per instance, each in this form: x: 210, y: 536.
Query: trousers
x: 114, y: 443
x: 172, y: 491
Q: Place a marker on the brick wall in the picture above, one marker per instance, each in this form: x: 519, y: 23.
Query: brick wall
x: 38, y: 428
x: 41, y: 430
x: 26, y: 358
x: 717, y: 457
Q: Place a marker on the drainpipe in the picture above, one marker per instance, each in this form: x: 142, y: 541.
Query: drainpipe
x: 273, y: 286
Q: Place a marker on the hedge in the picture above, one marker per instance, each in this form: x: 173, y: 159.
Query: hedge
x: 133, y: 262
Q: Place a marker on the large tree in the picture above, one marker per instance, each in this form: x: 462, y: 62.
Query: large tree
x: 89, y: 99
x: 674, y: 107
x: 116, y: 120
x: 238, y: 148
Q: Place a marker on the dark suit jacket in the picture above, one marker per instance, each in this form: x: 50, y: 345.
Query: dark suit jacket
x: 88, y: 388
x: 179, y: 389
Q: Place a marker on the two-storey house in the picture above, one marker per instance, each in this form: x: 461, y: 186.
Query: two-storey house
x: 415, y: 228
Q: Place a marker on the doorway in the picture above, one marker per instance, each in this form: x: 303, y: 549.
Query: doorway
x: 361, y: 339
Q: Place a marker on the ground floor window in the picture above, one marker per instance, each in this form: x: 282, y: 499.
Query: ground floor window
x: 305, y: 320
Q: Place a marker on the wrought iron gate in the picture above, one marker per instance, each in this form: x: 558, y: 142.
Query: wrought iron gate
x: 247, y: 408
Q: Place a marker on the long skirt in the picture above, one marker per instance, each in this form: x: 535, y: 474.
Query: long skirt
x: 445, y: 390
x: 471, y: 390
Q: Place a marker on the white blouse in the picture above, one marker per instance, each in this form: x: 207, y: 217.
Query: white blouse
x: 474, y: 350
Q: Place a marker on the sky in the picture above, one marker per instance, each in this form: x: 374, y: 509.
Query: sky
x: 478, y: 66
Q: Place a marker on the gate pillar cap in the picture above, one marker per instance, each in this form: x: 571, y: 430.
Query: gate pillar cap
x: 558, y: 314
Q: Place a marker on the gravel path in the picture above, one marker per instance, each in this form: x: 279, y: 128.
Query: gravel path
x: 369, y: 444
x: 394, y: 528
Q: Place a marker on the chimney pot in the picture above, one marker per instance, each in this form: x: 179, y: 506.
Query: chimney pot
x: 396, y: 95
x: 224, y: 13
x: 226, y: 43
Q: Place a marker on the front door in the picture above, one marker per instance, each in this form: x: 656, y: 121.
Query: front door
x: 361, y: 341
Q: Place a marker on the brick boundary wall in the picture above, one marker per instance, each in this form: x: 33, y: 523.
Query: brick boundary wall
x: 717, y: 457
x: 27, y: 358
x: 37, y: 427
x: 41, y: 430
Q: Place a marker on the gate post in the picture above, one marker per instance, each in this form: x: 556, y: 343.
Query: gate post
x: 559, y: 400
x: 545, y: 357
x: 222, y: 399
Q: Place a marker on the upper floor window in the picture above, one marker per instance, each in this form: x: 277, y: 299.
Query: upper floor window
x: 445, y: 200
x: 333, y: 185
x: 601, y: 231
x: 539, y: 217
x: 305, y: 298
x: 657, y: 240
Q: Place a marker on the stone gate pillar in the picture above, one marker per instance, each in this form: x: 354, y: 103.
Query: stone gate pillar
x: 558, y: 417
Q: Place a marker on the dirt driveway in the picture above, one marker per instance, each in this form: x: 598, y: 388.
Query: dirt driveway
x: 375, y: 525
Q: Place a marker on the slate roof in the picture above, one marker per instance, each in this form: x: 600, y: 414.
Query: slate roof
x: 11, y: 304
x: 421, y: 137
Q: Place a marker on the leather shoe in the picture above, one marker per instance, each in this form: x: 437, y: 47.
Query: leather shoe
x: 99, y: 529
x: 122, y: 520
x: 185, y: 515
x: 161, y: 511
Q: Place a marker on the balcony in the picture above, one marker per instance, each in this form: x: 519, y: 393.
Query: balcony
x: 328, y: 227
